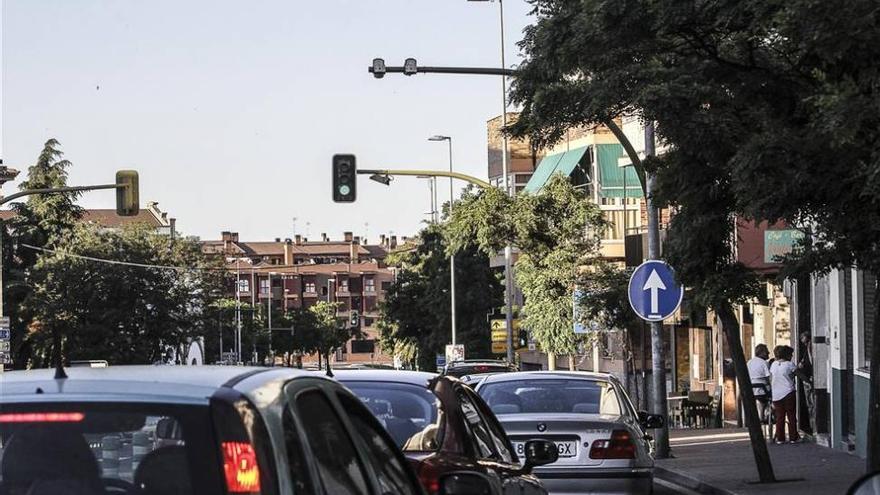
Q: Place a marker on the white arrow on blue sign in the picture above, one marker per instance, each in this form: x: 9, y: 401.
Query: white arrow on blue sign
x: 653, y: 292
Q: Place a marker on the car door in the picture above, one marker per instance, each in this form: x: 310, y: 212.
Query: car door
x: 529, y: 484
x: 325, y: 442
x: 390, y: 469
x: 494, y: 452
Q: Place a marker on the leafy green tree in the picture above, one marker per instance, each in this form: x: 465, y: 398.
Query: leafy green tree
x: 771, y: 113
x: 557, y: 234
x: 40, y: 221
x: 324, y: 331
x: 122, y: 313
x: 416, y: 317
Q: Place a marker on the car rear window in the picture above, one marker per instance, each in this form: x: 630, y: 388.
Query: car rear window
x: 88, y: 448
x: 551, y: 396
x: 408, y: 412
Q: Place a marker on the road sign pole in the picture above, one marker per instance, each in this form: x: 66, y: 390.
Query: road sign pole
x: 658, y: 361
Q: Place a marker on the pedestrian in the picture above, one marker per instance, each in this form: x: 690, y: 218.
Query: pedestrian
x: 784, y: 398
x: 804, y: 374
x: 759, y: 374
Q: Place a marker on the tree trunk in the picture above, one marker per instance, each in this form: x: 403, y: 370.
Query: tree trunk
x: 327, y: 361
x: 551, y: 361
x: 319, y: 361
x: 571, y: 363
x: 730, y: 326
x: 873, y: 449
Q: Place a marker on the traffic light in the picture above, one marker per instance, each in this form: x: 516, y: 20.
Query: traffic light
x: 127, y: 198
x: 344, y: 178
x: 355, y: 320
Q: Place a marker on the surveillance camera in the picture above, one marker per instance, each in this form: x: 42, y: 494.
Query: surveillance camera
x: 410, y: 66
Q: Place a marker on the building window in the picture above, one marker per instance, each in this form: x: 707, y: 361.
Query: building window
x: 386, y: 286
x: 325, y: 290
x: 368, y: 322
x: 343, y: 285
x: 244, y: 285
x: 264, y: 286
x: 369, y: 285
x: 363, y: 346
x: 310, y: 287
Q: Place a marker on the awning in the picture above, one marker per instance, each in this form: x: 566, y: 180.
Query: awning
x: 562, y: 163
x: 612, y: 177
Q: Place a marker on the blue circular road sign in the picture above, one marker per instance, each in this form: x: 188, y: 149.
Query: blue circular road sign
x: 653, y: 292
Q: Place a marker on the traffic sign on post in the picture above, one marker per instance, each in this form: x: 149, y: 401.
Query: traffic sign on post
x: 653, y: 292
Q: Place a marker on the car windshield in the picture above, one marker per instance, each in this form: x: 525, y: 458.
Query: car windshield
x: 410, y: 413
x: 82, y: 449
x: 552, y: 395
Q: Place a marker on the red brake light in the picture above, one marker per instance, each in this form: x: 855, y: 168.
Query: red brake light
x: 429, y: 477
x: 240, y: 467
x: 44, y: 417
x: 482, y: 368
x: 620, y: 446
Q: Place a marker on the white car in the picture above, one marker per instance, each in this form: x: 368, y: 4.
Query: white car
x: 602, y: 441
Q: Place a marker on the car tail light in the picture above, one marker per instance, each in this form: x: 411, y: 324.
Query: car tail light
x: 620, y: 446
x: 42, y: 417
x: 429, y: 477
x: 240, y: 467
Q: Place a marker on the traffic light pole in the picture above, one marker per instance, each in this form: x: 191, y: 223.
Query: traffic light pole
x: 428, y: 173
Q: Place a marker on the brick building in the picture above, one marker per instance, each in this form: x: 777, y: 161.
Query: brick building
x: 297, y: 273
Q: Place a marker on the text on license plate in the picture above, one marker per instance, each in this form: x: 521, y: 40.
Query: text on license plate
x: 566, y: 448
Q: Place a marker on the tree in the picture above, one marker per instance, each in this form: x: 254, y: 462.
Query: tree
x: 770, y: 108
x: 416, y: 312
x: 122, y: 313
x: 326, y: 331
x: 40, y: 222
x: 696, y: 70
x: 557, y: 232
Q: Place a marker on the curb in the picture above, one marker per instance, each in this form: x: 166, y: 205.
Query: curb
x: 688, y: 482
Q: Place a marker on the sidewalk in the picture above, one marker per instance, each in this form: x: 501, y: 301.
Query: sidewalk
x: 720, y: 461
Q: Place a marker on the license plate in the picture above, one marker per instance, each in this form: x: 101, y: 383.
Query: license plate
x: 566, y: 448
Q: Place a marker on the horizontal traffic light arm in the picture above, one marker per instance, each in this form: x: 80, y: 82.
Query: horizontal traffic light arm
x: 429, y: 173
x: 473, y: 71
x: 57, y: 190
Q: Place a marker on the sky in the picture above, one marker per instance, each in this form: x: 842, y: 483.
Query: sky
x: 231, y: 111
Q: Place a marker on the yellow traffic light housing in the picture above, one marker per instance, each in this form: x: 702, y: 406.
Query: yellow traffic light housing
x: 127, y: 196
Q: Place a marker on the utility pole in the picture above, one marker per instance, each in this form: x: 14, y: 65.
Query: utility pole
x: 658, y: 358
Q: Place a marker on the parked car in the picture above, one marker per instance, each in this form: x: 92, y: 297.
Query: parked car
x: 444, y: 427
x: 477, y: 366
x: 601, y: 439
x: 148, y: 430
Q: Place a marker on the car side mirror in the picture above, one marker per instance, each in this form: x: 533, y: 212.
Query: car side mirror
x: 866, y: 485
x: 465, y: 483
x: 540, y: 453
x: 166, y: 429
x: 650, y: 421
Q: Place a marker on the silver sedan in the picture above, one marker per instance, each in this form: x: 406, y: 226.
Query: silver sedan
x: 601, y: 438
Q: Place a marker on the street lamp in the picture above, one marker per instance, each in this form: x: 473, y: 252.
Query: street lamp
x: 452, y: 256
x: 508, y: 270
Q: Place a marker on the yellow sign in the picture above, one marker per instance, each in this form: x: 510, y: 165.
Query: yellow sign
x: 499, y: 336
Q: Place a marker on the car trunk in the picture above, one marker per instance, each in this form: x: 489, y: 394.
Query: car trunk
x: 574, y: 434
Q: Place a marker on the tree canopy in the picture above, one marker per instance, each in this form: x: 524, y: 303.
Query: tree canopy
x: 556, y: 232
x: 416, y: 312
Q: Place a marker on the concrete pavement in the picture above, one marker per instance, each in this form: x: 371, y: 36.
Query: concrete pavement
x: 720, y: 461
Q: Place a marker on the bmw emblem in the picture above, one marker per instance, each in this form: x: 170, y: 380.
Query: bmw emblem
x: 542, y: 427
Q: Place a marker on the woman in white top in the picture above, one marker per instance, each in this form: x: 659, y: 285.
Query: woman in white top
x: 784, y: 401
